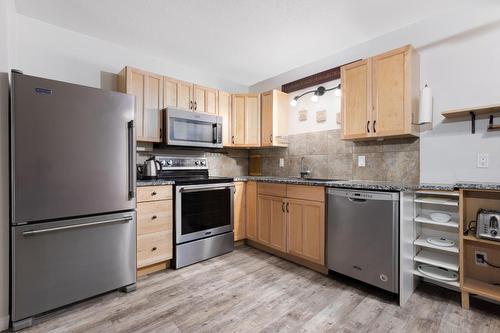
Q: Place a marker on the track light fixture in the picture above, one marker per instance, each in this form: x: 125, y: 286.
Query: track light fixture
x: 320, y: 91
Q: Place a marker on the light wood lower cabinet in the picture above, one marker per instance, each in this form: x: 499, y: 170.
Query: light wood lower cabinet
x: 239, y: 211
x: 293, y: 223
x: 306, y: 229
x: 154, y: 228
x: 251, y: 210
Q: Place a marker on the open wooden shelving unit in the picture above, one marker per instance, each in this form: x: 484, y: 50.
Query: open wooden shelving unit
x: 478, y: 279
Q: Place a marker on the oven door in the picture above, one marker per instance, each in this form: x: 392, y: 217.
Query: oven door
x: 192, y: 129
x: 203, y: 211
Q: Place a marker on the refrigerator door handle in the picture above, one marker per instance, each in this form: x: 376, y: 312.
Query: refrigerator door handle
x: 74, y: 226
x: 131, y: 159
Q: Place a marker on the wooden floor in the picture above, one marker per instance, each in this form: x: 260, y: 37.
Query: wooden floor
x: 251, y: 291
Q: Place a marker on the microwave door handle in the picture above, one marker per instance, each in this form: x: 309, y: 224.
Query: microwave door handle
x: 214, y: 132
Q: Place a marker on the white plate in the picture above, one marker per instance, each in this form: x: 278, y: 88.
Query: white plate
x: 440, y: 241
x: 437, y: 272
x: 440, y: 217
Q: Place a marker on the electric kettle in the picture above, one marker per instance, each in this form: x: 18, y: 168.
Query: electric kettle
x: 150, y: 168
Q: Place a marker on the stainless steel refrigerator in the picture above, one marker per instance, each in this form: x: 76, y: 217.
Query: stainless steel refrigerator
x: 72, y: 192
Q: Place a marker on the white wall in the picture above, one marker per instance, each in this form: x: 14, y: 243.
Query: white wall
x: 6, y: 13
x: 53, y: 52
x: 328, y: 102
x: 463, y: 71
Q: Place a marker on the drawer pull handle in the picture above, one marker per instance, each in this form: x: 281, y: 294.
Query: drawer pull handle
x: 153, y: 193
x: 154, y: 217
x: 153, y: 249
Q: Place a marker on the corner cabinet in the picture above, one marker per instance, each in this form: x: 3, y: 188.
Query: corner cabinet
x: 274, y: 113
x: 380, y: 96
x: 245, y: 120
x: 148, y: 91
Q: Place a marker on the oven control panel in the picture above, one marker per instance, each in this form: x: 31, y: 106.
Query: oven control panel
x: 182, y: 163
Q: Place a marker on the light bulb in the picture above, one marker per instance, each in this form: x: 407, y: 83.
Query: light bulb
x: 293, y: 102
x: 338, y: 92
x: 314, y: 98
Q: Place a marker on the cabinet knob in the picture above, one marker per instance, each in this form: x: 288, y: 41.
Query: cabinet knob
x: 154, y: 217
x: 153, y: 249
x: 153, y: 193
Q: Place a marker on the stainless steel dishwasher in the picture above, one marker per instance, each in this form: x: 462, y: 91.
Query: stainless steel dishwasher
x: 363, y: 236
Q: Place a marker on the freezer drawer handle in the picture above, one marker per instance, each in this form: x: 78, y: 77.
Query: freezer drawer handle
x: 42, y: 231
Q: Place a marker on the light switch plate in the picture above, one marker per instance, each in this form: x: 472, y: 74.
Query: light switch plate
x: 282, y: 162
x: 361, y: 161
x: 482, y: 160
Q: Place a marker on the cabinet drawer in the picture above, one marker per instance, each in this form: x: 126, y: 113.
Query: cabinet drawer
x: 154, y: 216
x: 278, y: 190
x: 153, y: 193
x: 305, y: 192
x: 154, y: 248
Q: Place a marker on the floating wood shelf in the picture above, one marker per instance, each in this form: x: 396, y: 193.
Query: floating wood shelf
x: 481, y: 288
x: 473, y: 113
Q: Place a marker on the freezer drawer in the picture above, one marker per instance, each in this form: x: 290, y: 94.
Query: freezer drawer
x: 363, y: 236
x: 57, y: 263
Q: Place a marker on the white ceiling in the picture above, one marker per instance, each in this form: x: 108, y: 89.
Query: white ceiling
x: 245, y: 41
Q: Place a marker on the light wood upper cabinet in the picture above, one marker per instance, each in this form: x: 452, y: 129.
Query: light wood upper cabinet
x: 356, y: 99
x: 274, y: 123
x: 306, y: 230
x: 148, y: 90
x: 245, y: 120
x: 395, y: 92
x: 205, y: 99
x: 271, y: 223
x: 380, y: 95
x: 224, y: 106
x: 239, y: 211
x: 177, y: 94
x: 251, y: 210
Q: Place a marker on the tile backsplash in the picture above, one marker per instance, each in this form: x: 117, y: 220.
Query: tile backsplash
x: 326, y: 156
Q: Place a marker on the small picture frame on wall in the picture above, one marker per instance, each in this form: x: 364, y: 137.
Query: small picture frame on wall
x: 302, y: 115
x: 321, y: 116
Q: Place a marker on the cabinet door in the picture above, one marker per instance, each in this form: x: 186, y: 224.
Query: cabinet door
x: 211, y: 101
x: 135, y: 86
x: 153, y: 104
x: 185, y: 95
x: 169, y: 92
x: 306, y: 230
x: 239, y: 211
x: 271, y: 226
x: 238, y: 120
x: 224, y: 106
x: 356, y: 100
x: 267, y: 118
x: 252, y: 120
x: 251, y: 210
x: 199, y: 98
x: 390, y: 93
x: 274, y: 118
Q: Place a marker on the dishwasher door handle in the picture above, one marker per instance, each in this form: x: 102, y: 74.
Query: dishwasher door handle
x: 356, y: 199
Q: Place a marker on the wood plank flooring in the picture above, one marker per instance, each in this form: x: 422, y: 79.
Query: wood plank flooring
x: 251, y: 291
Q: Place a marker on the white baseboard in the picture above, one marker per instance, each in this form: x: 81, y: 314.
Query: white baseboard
x: 4, y: 323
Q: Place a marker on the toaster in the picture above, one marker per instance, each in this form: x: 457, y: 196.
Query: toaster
x: 488, y: 224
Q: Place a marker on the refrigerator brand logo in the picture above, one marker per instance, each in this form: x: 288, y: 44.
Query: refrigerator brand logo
x: 43, y: 91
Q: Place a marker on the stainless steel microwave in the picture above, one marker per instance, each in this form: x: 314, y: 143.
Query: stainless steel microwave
x: 191, y: 129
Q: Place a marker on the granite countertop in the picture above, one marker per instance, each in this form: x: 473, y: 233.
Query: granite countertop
x: 355, y: 184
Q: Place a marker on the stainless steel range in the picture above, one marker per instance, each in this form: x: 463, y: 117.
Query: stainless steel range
x: 203, y: 210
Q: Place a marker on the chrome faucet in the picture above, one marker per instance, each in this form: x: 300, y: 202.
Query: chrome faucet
x: 303, y: 173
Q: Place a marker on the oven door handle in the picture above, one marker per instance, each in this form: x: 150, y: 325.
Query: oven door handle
x: 187, y: 190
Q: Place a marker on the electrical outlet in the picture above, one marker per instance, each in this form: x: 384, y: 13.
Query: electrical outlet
x: 482, y: 160
x: 480, y: 258
x: 282, y: 162
x: 361, y: 161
